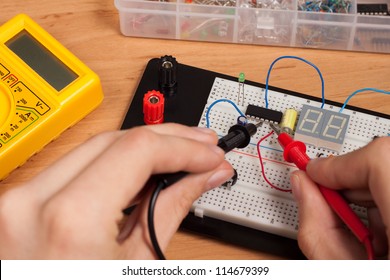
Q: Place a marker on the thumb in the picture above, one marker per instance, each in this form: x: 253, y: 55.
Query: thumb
x: 321, y: 233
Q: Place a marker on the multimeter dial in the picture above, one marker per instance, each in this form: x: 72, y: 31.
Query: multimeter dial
x: 21, y: 107
x: 6, y: 106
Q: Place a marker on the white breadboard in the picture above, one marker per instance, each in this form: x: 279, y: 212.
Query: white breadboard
x: 251, y: 202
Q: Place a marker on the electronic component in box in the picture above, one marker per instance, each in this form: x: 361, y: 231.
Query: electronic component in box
x: 321, y: 128
x: 264, y: 113
x: 373, y: 9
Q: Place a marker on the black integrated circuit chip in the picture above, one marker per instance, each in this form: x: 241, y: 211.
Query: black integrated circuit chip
x: 264, y: 113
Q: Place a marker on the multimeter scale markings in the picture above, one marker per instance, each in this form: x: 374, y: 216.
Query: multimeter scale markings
x: 28, y: 106
x: 26, y: 98
x: 22, y: 120
x: 3, y: 71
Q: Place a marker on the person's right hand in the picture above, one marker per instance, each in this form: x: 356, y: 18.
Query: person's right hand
x: 363, y: 176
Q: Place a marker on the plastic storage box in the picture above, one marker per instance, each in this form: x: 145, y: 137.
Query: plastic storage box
x: 276, y: 22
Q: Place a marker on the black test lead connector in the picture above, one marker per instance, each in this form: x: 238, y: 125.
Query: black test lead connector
x: 167, y: 75
x: 238, y: 136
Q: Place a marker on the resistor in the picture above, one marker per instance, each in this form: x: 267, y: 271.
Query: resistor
x: 288, y: 121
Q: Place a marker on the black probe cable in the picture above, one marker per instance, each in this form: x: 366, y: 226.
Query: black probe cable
x: 239, y: 136
x: 152, y: 232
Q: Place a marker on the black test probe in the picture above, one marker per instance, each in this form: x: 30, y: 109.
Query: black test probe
x: 238, y: 136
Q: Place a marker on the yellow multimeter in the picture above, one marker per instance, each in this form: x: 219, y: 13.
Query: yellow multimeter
x: 44, y: 89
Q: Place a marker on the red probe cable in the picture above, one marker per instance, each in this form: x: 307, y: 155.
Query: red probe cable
x: 295, y: 152
x: 262, y: 165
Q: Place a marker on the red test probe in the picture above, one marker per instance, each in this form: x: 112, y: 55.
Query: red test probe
x: 295, y: 152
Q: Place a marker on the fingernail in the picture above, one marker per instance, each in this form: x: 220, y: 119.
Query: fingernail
x: 296, y: 188
x: 219, y: 178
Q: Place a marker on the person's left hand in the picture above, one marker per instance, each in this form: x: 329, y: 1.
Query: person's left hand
x: 73, y: 209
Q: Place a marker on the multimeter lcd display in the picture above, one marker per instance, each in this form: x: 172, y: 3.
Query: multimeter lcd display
x: 41, y: 60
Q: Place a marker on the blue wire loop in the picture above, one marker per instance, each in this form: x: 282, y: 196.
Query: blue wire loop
x: 216, y: 102
x: 301, y: 59
x: 361, y: 90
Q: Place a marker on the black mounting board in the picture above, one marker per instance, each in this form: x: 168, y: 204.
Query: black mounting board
x: 186, y: 107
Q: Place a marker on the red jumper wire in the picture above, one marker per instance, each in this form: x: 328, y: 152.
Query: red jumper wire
x: 295, y: 151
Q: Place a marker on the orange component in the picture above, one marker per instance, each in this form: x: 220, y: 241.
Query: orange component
x: 153, y: 107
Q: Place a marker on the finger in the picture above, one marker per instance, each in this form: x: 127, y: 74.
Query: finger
x: 364, y: 168
x: 60, y: 173
x: 184, y: 196
x: 201, y: 134
x: 349, y: 171
x: 360, y: 197
x: 172, y: 206
x: 321, y: 234
x: 378, y: 230
x: 131, y: 219
x: 130, y: 161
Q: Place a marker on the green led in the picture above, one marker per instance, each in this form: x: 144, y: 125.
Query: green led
x: 241, y: 77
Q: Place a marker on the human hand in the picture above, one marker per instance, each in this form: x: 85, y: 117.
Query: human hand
x: 73, y: 209
x: 363, y: 177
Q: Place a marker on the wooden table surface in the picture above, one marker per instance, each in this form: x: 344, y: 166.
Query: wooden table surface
x: 90, y: 29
